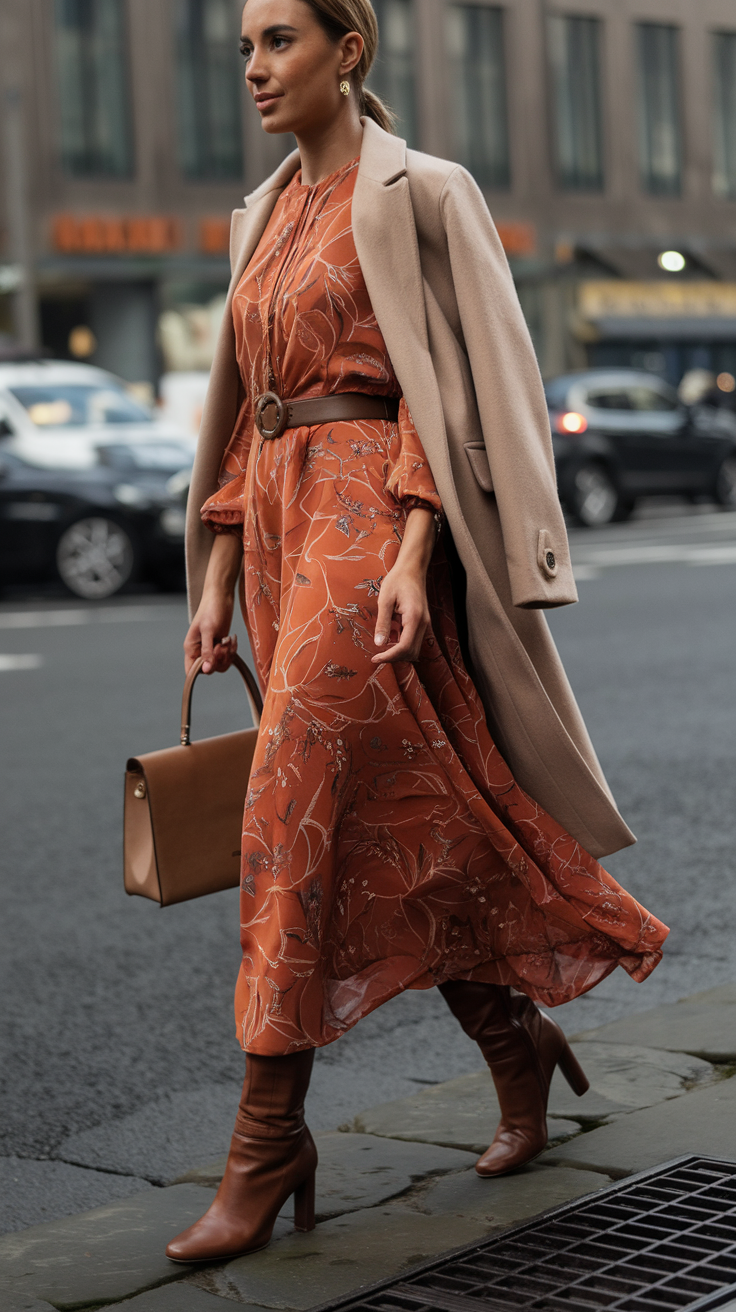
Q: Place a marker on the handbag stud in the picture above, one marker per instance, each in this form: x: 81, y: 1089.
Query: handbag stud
x: 140, y: 790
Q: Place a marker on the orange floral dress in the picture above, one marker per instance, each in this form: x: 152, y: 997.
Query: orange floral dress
x: 386, y: 844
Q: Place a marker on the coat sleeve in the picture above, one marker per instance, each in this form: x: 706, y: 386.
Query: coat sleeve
x: 511, y: 401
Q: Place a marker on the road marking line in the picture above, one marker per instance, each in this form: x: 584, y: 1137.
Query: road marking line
x: 724, y: 554
x: 8, y: 663
x: 43, y: 619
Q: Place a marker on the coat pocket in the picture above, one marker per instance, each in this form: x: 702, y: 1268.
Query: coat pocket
x: 478, y: 457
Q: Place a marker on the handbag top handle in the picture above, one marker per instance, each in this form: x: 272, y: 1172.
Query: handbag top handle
x: 254, y: 695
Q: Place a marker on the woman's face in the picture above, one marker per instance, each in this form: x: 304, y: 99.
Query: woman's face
x: 292, y: 69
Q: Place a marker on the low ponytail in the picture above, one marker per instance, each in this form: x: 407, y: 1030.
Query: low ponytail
x: 371, y: 106
x: 337, y: 18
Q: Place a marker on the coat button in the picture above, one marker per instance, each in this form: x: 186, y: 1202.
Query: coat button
x: 550, y: 559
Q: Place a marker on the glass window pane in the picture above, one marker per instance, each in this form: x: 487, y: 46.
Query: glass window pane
x: 659, y: 109
x: 209, y: 91
x: 478, y: 79
x: 724, y: 51
x: 393, y: 75
x: 91, y: 50
x: 574, y: 56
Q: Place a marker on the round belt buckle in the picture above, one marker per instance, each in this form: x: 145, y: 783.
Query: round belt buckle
x: 271, y: 415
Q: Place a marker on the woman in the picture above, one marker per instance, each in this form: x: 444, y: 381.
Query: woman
x: 375, y: 451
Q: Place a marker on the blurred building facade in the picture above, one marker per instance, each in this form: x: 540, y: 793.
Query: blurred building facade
x: 603, y: 133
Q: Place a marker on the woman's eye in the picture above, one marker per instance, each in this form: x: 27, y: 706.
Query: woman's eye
x: 279, y: 41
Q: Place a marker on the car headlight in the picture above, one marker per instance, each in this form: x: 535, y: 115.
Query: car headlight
x: 173, y: 521
x: 128, y: 494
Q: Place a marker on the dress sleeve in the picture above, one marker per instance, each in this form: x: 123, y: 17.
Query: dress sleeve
x: 409, y: 478
x: 223, y: 512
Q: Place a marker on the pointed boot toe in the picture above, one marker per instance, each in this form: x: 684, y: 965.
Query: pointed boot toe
x: 272, y: 1155
x: 511, y: 1149
x: 522, y: 1046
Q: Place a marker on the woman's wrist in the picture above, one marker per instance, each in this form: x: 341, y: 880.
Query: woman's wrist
x: 225, y: 564
x: 417, y: 546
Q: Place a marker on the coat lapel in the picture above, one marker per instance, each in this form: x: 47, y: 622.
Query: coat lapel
x: 249, y: 224
x: 386, y: 242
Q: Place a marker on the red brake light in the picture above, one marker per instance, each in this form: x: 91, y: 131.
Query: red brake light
x: 571, y: 422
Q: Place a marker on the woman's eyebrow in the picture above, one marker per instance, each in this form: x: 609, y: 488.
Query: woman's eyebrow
x: 272, y: 30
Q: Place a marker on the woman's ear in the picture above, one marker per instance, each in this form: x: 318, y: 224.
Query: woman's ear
x: 352, y: 49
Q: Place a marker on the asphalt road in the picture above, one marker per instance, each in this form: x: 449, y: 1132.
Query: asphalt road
x: 117, y: 1047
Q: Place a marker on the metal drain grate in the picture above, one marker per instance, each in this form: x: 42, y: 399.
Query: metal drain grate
x: 664, y: 1239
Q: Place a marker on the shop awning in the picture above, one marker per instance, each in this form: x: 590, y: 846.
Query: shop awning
x: 665, y: 310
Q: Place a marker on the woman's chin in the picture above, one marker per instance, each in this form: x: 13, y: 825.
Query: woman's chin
x: 274, y: 128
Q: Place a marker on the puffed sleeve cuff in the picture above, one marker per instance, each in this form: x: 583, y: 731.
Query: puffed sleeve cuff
x: 409, y: 478
x: 223, y: 512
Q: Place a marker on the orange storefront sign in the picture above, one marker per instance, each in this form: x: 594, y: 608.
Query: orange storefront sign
x: 102, y: 234
x: 518, y: 238
x: 214, y: 236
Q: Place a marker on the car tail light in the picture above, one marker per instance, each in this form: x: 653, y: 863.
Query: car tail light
x: 571, y: 422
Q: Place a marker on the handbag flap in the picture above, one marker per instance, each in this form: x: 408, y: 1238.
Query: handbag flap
x: 195, y: 796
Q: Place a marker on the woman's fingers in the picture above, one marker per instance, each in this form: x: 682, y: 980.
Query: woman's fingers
x: 192, y: 646
x: 413, y: 628
x: 386, y: 605
x: 223, y: 653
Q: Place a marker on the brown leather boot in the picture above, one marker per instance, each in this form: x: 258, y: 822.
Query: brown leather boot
x: 522, y: 1046
x: 272, y: 1155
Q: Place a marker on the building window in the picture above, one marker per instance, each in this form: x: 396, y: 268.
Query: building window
x: 392, y: 76
x: 92, y: 62
x: 209, y: 90
x: 478, y: 79
x: 660, y: 147
x: 724, y: 175
x: 575, y: 61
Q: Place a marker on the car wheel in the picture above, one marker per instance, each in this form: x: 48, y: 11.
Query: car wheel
x: 95, y: 558
x: 595, y: 500
x: 725, y: 488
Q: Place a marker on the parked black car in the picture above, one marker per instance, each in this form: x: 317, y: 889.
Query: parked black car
x: 620, y: 434
x: 96, y: 528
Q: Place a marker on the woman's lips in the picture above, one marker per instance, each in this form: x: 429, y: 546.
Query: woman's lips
x: 265, y: 102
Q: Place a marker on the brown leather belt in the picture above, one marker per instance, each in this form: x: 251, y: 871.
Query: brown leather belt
x: 274, y: 415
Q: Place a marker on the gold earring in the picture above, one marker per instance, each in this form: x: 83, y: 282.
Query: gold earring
x: 345, y: 87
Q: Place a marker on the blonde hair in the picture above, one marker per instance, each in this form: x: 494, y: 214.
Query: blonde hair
x: 337, y: 18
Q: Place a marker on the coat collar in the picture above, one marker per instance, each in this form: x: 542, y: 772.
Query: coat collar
x: 382, y: 159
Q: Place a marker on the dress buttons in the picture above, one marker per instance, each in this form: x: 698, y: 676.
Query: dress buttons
x: 550, y: 558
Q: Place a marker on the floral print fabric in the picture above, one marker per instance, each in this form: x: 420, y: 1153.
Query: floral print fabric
x: 386, y: 844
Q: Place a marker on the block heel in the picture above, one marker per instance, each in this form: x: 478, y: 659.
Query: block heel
x: 304, y: 1204
x: 573, y: 1071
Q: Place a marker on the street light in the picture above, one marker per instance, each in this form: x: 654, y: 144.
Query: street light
x: 671, y: 261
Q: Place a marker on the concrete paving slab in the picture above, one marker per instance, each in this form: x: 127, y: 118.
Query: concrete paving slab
x: 703, y: 1122
x: 703, y: 1024
x: 626, y: 1077
x: 508, y: 1200
x: 104, y: 1255
x: 361, y: 1170
x: 460, y: 1114
x: 463, y: 1113
x: 32, y: 1193
x: 180, y: 1297
x: 340, y: 1256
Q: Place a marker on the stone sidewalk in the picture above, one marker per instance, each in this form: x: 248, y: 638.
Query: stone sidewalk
x: 397, y: 1186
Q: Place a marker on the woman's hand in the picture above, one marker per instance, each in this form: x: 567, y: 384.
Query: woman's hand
x: 403, y: 610
x: 209, y: 631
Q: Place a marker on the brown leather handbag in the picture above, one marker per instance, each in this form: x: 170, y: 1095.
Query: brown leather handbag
x: 184, y: 808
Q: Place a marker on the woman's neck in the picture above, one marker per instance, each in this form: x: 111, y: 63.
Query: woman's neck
x: 326, y: 151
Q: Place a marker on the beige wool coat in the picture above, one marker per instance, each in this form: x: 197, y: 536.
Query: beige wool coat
x: 445, y: 302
